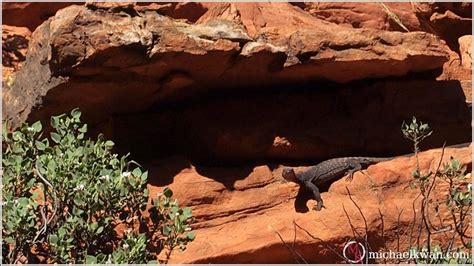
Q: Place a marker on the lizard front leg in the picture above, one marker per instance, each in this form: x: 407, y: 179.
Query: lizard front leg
x: 317, y: 195
x: 354, y: 167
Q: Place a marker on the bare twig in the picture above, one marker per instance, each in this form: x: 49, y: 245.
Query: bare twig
x: 383, y: 236
x: 414, y: 220
x: 451, y: 241
x: 394, y: 17
x: 398, y: 229
x: 294, y: 235
x: 354, y: 231
x: 425, y: 201
x: 55, y: 204
x: 291, y: 249
x: 367, y: 245
x: 322, y: 241
x: 437, y: 170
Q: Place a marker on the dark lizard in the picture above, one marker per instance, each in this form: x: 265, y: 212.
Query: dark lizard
x: 334, y: 169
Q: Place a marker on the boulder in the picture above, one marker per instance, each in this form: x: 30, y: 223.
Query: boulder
x: 466, y: 51
x: 382, y: 16
x: 241, y: 211
x: 108, y: 61
x: 30, y: 15
x: 14, y: 46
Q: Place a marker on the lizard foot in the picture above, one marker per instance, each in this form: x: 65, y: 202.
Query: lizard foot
x: 319, y: 206
x: 350, y: 176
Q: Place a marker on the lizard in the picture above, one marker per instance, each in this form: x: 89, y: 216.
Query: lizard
x: 333, y: 169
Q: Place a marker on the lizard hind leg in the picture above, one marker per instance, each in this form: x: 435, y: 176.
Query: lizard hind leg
x: 354, y: 167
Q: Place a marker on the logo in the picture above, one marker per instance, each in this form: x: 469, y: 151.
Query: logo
x: 353, y: 251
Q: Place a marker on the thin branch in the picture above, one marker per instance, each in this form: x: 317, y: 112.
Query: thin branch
x: 383, y: 236
x: 367, y: 245
x: 55, y: 205
x: 354, y: 231
x: 437, y: 170
x: 414, y: 219
x: 398, y: 229
x: 324, y: 242
x: 292, y: 251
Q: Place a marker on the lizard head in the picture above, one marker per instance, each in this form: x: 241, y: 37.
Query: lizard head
x: 288, y: 173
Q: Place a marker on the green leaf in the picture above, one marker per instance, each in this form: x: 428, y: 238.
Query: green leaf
x: 78, y: 201
x: 109, y: 144
x: 17, y: 136
x: 53, y: 239
x: 175, y: 209
x: 91, y: 259
x: 100, y: 230
x: 76, y: 113
x: 23, y: 201
x: 10, y: 240
x: 94, y: 226
x: 37, y: 126
x: 144, y: 176
x: 40, y: 145
x: 166, y: 230
x: 167, y: 192
x: 55, y: 121
x: 55, y: 137
x: 52, y: 166
x: 61, y: 232
x: 191, y: 236
x: 83, y: 129
x: 187, y: 213
x: 79, y: 152
x: 76, y: 211
x: 137, y: 172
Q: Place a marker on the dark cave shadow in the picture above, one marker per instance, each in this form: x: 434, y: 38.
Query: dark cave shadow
x: 225, y: 175
x: 161, y: 172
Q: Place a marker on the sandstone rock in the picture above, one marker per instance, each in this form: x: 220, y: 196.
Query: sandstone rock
x: 454, y: 70
x: 382, y: 16
x: 269, y: 21
x: 235, y: 84
x: 144, y: 66
x: 466, y: 51
x: 30, y: 15
x: 14, y: 46
x: 239, y: 211
x: 462, y: 9
x: 447, y: 20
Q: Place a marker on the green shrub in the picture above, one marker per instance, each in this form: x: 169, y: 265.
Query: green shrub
x: 63, y: 198
x: 458, y: 201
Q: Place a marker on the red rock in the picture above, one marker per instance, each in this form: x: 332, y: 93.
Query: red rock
x: 80, y: 42
x: 453, y: 69
x: 466, y: 51
x: 14, y: 46
x: 30, y: 15
x: 230, y: 83
x: 367, y: 15
x: 238, y: 217
x: 447, y: 20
